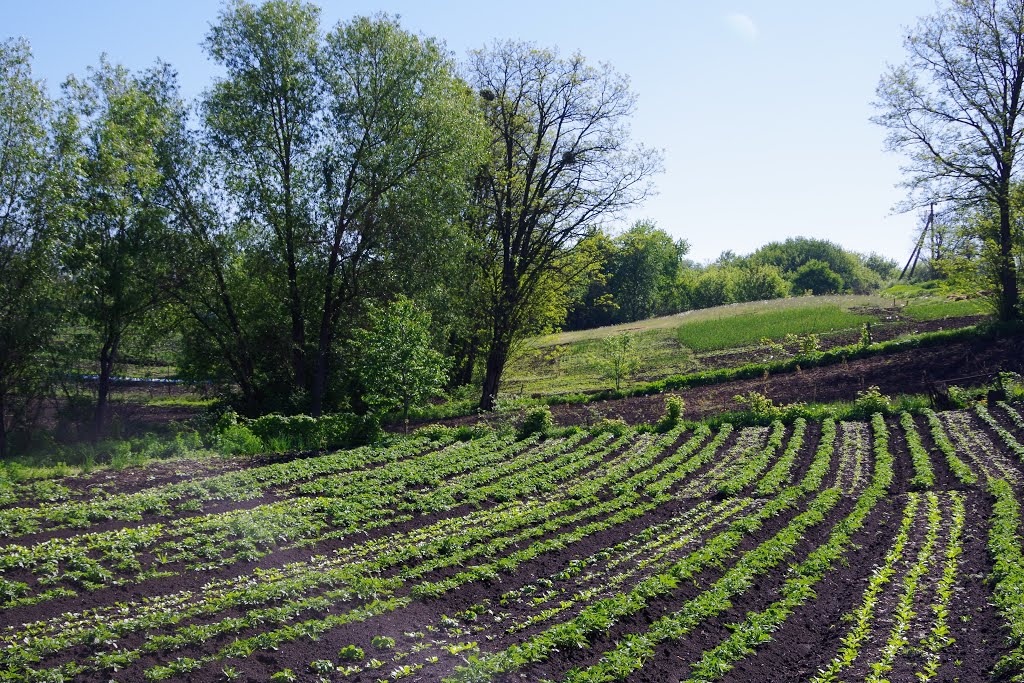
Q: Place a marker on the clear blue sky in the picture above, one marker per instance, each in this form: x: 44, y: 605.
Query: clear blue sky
x: 761, y: 106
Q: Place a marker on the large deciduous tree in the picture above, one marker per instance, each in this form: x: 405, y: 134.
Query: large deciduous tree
x: 336, y: 167
x: 560, y: 162
x: 29, y: 201
x: 117, y: 225
x: 261, y: 119
x: 401, y: 136
x: 955, y: 107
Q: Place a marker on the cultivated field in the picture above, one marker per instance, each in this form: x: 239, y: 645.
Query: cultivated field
x: 888, y: 549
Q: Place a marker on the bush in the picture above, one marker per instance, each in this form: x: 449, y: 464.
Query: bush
x: 536, y: 421
x: 292, y: 432
x: 344, y: 430
x: 613, y: 426
x: 673, y: 413
x: 815, y: 277
x: 239, y: 440
x: 758, y: 404
x: 871, y: 400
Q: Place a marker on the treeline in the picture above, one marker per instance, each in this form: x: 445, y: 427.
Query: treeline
x: 645, y: 273
x: 346, y: 219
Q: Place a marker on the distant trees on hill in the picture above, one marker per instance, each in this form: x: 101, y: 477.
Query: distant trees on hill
x: 645, y: 273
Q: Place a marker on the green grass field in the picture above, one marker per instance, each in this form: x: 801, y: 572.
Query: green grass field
x: 746, y: 329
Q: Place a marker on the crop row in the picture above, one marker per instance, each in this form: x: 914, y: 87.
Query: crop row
x: 189, y: 496
x: 452, y: 549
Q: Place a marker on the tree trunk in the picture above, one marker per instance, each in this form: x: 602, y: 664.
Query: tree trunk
x: 465, y: 361
x: 107, y: 356
x: 496, y: 357
x: 3, y: 423
x: 298, y: 326
x: 1008, y: 295
x: 319, y: 383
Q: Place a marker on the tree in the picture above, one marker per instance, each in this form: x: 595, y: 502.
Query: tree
x: 955, y: 109
x: 261, y: 119
x: 118, y: 229
x: 759, y: 282
x: 30, y: 302
x: 619, y: 358
x: 560, y: 162
x: 789, y: 256
x: 401, y: 136
x: 345, y: 158
x: 643, y: 270
x: 815, y: 277
x: 396, y: 364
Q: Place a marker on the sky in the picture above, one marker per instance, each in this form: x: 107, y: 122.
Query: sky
x: 761, y: 108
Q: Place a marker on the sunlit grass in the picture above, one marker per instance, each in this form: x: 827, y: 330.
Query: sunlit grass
x: 749, y: 328
x: 936, y: 309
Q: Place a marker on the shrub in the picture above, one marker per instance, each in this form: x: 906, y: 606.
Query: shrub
x: 239, y: 440
x: 610, y: 426
x: 759, y: 404
x: 871, y: 400
x: 536, y: 421
x: 292, y: 432
x: 673, y: 413
x: 815, y: 277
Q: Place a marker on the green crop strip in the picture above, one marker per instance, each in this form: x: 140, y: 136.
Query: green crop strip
x: 960, y: 469
x: 799, y: 588
x: 863, y: 617
x: 924, y: 477
x: 904, y: 612
x: 1008, y: 439
x: 641, y: 462
x: 603, y: 614
x: 938, y: 636
x: 1004, y: 545
x: 1014, y: 416
x: 973, y: 441
x: 750, y: 468
x: 781, y: 473
x: 234, y: 486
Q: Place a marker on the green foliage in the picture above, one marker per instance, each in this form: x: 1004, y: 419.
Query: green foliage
x: 120, y: 238
x: 383, y: 642
x: 620, y: 357
x: 438, y: 432
x: 560, y: 158
x: 536, y: 421
x: 613, y: 426
x: 832, y: 269
x: 871, y: 400
x: 239, y: 440
x: 396, y: 365
x: 673, y: 413
x: 641, y: 269
x: 760, y: 406
x: 750, y: 328
x: 34, y: 175
x: 815, y: 277
x: 351, y: 653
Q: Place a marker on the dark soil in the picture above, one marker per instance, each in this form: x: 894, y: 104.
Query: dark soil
x: 904, y: 372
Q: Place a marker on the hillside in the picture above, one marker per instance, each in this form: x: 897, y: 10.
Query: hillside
x: 724, y: 336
